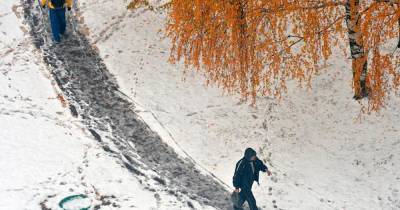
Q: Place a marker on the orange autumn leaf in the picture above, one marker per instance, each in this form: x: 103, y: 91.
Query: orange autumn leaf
x: 61, y: 98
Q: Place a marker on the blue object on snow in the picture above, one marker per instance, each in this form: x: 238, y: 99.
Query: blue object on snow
x: 72, y: 198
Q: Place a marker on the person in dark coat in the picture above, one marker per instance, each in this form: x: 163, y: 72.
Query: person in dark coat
x: 246, y: 172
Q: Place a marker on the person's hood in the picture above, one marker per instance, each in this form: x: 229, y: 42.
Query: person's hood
x: 248, y: 153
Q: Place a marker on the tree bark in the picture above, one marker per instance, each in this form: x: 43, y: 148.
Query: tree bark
x: 358, y: 55
x: 398, y: 21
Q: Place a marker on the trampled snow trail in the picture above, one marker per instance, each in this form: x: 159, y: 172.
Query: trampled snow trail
x: 93, y: 96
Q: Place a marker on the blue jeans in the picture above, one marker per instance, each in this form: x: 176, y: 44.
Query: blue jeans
x: 58, y: 24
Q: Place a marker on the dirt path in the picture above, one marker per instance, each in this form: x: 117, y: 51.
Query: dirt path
x: 94, y: 97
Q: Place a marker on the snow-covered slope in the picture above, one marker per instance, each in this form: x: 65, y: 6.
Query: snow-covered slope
x: 45, y: 153
x: 322, y: 155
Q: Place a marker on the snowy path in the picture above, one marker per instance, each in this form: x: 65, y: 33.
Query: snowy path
x: 45, y: 153
x: 322, y: 155
x: 94, y: 98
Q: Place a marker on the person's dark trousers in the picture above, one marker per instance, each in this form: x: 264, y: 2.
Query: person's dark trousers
x: 246, y: 195
x: 58, y: 24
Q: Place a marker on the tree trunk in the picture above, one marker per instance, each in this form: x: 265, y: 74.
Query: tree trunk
x: 398, y: 21
x: 358, y: 55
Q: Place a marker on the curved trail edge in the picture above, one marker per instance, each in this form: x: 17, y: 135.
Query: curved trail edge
x: 94, y: 96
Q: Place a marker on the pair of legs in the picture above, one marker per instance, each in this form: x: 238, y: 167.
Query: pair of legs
x: 58, y: 23
x: 246, y: 195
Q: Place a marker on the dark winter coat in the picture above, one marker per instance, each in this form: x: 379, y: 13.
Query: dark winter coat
x: 247, y: 171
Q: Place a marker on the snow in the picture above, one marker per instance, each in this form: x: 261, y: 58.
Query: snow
x: 46, y: 154
x: 322, y: 154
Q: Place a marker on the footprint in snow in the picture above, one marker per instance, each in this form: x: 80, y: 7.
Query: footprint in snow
x: 274, y: 179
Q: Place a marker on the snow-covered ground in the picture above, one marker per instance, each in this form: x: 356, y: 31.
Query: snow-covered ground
x: 322, y: 154
x: 45, y: 153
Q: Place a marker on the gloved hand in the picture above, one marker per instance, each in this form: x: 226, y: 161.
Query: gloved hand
x: 269, y: 173
x: 69, y: 8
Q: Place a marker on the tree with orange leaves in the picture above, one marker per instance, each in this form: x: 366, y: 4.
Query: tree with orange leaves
x: 256, y: 46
